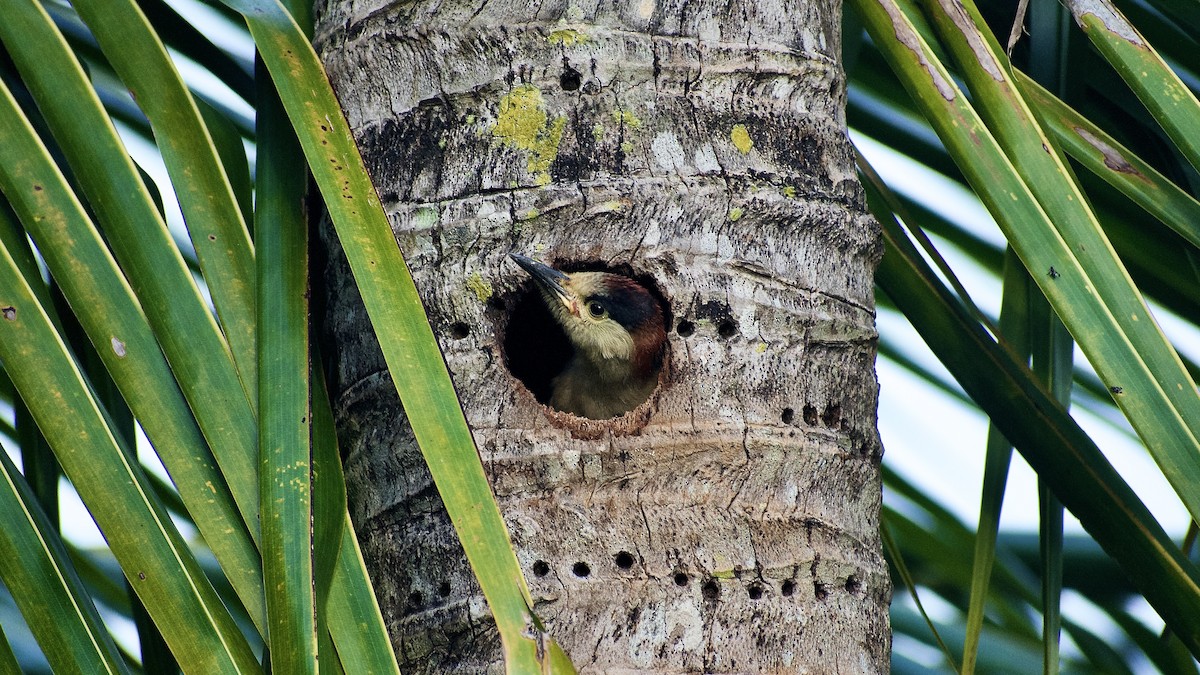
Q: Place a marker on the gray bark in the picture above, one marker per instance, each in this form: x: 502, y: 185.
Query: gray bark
x: 730, y: 523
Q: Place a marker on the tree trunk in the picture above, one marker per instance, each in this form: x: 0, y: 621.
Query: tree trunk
x: 730, y: 523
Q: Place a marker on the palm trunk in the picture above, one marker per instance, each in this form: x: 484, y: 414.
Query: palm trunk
x: 730, y: 524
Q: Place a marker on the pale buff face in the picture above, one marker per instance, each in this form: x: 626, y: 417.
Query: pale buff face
x: 587, y: 322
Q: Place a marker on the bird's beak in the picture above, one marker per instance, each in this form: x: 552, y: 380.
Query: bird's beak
x: 550, y: 279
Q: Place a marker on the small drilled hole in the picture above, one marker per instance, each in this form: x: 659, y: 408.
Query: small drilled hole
x: 685, y: 328
x: 624, y: 560
x: 681, y: 579
x: 570, y: 79
x: 415, y: 599
x: 853, y: 584
x: 541, y: 568
x: 727, y: 329
x: 810, y: 415
x: 444, y: 589
x: 832, y: 416
x: 710, y: 590
x: 581, y: 570
x: 755, y: 591
x: 459, y: 330
x: 788, y: 415
x: 819, y: 591
x: 787, y: 588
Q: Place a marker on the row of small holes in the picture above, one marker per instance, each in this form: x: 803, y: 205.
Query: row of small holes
x: 623, y: 559
x: 417, y: 599
x: 832, y: 417
x: 725, y: 329
x: 711, y: 590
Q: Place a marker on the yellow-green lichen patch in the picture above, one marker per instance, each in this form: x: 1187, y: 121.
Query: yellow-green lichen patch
x: 598, y: 131
x: 627, y: 118
x: 479, y: 286
x: 627, y: 147
x: 567, y: 37
x: 735, y: 214
x: 522, y: 123
x: 741, y: 139
x: 789, y: 191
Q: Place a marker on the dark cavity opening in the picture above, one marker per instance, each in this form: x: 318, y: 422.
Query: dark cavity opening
x: 624, y: 560
x: 444, y: 589
x: 681, y: 579
x: 581, y: 570
x: 541, y: 568
x: 787, y: 588
x: 727, y: 329
x: 710, y: 590
x: 459, y: 330
x: 755, y: 591
x: 788, y: 415
x: 685, y: 328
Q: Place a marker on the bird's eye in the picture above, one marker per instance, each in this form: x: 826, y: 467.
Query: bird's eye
x: 596, y: 310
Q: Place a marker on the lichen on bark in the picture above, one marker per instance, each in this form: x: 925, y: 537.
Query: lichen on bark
x: 523, y: 123
x: 731, y: 523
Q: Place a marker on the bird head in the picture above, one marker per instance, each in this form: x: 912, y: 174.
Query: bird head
x: 610, y: 319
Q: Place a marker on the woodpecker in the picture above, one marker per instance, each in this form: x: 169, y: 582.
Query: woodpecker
x: 616, y: 329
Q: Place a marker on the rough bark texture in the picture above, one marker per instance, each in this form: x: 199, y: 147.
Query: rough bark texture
x: 730, y: 524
